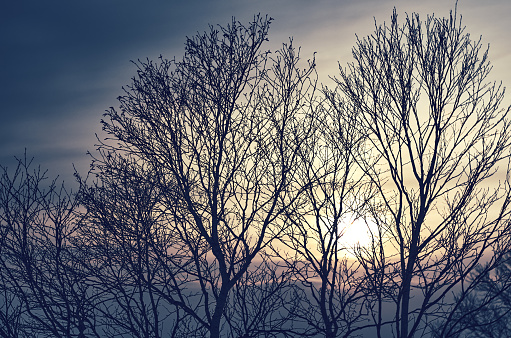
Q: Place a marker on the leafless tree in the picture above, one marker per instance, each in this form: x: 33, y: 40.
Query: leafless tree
x: 264, y: 303
x: 485, y: 310
x: 43, y: 293
x: 216, y: 140
x: 123, y: 227
x: 437, y: 138
x: 314, y: 246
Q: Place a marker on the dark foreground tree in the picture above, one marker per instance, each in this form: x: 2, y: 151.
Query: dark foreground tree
x: 43, y: 291
x: 214, y: 141
x: 313, y: 245
x: 123, y: 225
x: 437, y: 138
x: 485, y: 311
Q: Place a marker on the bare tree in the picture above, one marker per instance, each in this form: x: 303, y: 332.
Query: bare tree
x: 334, y: 195
x: 43, y: 292
x: 436, y: 140
x: 264, y: 303
x: 485, y: 309
x: 124, y: 225
x: 218, y: 137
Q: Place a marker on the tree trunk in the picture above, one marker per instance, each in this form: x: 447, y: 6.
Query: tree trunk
x: 219, y: 309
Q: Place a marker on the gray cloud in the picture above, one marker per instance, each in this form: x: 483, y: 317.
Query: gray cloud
x: 63, y: 63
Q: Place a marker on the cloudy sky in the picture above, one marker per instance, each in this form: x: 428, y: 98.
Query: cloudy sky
x: 63, y: 63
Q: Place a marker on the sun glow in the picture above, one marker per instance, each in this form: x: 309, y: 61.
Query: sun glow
x: 351, y: 232
x: 356, y: 232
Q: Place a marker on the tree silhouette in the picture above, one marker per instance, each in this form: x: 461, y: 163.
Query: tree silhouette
x: 217, y: 203
x: 436, y: 138
x: 124, y: 226
x: 313, y: 243
x: 485, y: 309
x: 44, y: 291
x: 214, y: 142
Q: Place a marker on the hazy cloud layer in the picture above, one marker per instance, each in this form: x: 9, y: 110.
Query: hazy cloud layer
x: 64, y: 63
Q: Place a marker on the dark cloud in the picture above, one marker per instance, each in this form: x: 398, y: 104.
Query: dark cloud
x: 62, y: 63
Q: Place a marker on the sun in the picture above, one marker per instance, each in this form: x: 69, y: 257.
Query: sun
x: 352, y: 232
x: 356, y: 231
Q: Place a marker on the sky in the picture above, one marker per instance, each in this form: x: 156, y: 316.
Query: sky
x: 63, y: 63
